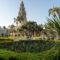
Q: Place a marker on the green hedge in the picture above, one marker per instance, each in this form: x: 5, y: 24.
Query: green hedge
x: 3, y: 40
x: 48, y: 50
x: 51, y: 54
x: 28, y: 45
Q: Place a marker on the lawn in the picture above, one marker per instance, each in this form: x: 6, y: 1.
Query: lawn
x: 51, y: 54
x: 49, y: 50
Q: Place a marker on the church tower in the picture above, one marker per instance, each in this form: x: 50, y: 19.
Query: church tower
x: 21, y: 19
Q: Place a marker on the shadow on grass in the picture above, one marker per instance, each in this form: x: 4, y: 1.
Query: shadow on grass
x: 12, y: 58
x: 1, y: 58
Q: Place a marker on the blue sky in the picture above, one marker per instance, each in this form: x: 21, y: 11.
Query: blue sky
x: 37, y: 10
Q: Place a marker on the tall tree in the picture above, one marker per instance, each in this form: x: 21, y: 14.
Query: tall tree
x: 55, y: 12
x: 32, y: 27
x: 54, y: 22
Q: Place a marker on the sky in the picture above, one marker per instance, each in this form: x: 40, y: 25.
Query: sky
x: 36, y: 10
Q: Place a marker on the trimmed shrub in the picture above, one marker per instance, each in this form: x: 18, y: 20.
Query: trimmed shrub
x: 28, y: 45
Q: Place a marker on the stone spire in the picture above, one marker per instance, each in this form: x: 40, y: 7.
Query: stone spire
x: 22, y: 15
x: 22, y: 12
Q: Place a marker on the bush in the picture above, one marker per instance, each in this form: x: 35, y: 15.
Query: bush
x: 28, y: 45
x: 51, y: 52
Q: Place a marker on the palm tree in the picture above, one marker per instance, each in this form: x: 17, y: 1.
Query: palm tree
x: 49, y: 29
x: 55, y: 12
x: 54, y: 23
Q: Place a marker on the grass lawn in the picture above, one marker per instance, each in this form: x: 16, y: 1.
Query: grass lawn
x: 51, y: 54
x: 45, y: 55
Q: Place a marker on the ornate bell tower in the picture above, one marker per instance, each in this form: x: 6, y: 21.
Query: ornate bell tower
x: 21, y: 19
